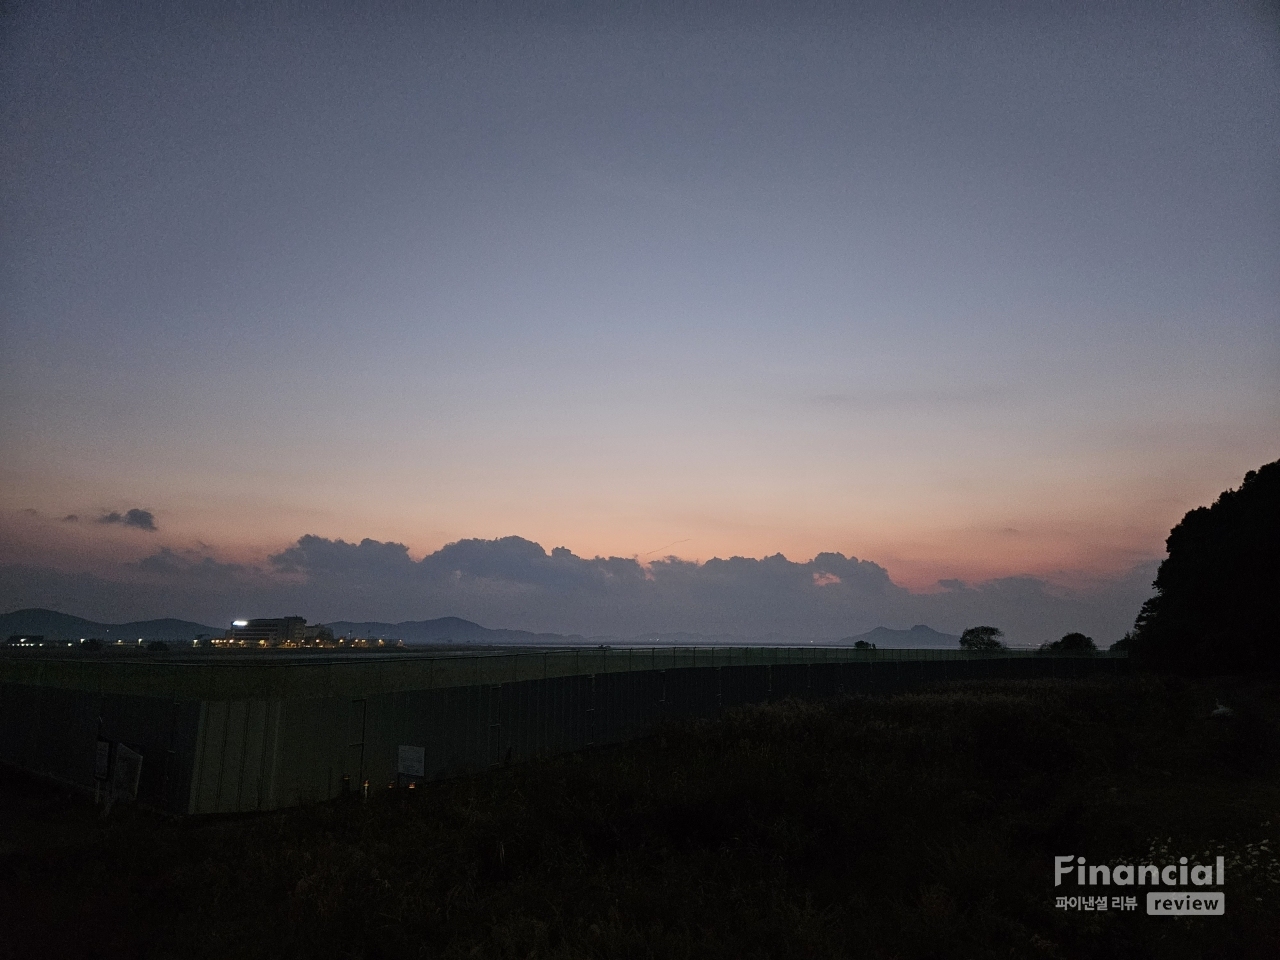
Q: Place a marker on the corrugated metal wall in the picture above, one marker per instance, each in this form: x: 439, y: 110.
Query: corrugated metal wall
x: 273, y: 750
x: 308, y: 746
x: 54, y: 732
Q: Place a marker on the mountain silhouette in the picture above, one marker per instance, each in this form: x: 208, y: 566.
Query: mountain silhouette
x: 56, y: 626
x: 917, y: 637
x: 443, y: 630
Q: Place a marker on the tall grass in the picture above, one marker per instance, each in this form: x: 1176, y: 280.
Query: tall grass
x: 918, y: 825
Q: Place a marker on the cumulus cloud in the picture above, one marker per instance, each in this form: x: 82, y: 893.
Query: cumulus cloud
x: 319, y: 557
x: 141, y: 519
x: 168, y: 565
x: 515, y: 583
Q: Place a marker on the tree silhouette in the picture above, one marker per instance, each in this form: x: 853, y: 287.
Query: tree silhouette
x: 982, y: 638
x: 1071, y: 643
x: 1214, y: 606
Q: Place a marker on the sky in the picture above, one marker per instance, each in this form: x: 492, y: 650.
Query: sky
x: 984, y: 295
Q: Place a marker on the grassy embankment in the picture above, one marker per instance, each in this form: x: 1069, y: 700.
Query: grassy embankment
x: 919, y: 825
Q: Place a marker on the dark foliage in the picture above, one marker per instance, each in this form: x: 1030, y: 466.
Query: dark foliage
x: 982, y: 638
x: 922, y: 825
x: 1071, y: 643
x: 1215, y: 603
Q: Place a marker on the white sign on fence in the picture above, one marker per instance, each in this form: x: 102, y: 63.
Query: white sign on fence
x: 126, y: 774
x: 412, y: 761
x: 102, y: 760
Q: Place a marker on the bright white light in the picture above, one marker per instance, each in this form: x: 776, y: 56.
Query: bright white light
x: 239, y: 623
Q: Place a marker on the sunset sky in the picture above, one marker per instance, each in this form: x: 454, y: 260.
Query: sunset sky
x: 970, y: 291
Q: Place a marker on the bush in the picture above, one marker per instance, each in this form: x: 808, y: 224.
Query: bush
x: 921, y: 826
x: 1124, y: 644
x: 1071, y: 643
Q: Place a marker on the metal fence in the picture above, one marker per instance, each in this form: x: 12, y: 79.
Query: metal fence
x: 217, y: 676
x: 235, y: 734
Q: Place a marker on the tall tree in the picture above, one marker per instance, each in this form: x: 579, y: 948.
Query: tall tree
x: 1215, y: 603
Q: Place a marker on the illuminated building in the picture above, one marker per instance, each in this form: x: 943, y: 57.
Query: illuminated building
x: 267, y: 632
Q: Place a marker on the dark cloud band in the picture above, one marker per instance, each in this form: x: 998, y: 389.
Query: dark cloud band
x: 515, y: 583
x: 141, y: 519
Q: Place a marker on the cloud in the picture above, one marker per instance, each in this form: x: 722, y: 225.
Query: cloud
x: 319, y: 557
x: 71, y: 518
x: 142, y: 519
x: 168, y: 565
x: 515, y: 583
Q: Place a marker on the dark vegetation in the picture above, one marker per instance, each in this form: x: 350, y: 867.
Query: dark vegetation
x: 918, y: 825
x: 1071, y: 643
x: 1215, y: 603
x: 982, y: 638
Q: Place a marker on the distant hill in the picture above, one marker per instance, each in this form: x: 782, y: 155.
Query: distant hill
x: 456, y: 630
x: 63, y: 626
x: 445, y: 630
x: 917, y: 637
x: 683, y: 639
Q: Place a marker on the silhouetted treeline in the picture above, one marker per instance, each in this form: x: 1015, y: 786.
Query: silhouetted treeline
x: 1215, y: 603
x: 1071, y: 643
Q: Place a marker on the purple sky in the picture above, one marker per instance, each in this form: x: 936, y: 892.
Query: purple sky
x: 975, y: 292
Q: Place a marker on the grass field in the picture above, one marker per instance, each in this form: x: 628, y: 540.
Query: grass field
x: 918, y: 825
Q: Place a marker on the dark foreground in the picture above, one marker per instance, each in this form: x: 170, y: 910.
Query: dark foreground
x: 919, y: 825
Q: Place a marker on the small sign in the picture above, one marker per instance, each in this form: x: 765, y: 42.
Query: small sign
x: 127, y: 773
x: 412, y: 761
x: 102, y: 760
